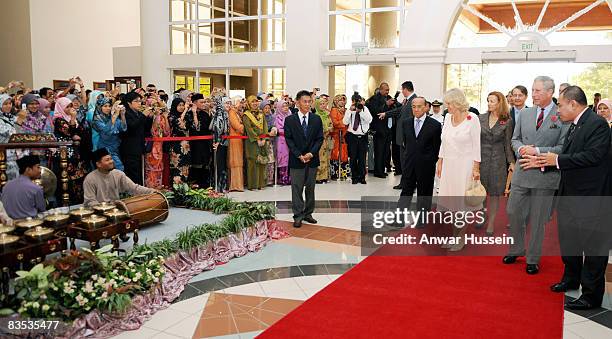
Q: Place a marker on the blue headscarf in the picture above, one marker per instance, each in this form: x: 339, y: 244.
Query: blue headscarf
x: 91, y: 109
x: 91, y: 106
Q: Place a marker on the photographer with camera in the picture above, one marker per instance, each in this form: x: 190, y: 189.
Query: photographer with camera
x: 378, y: 104
x: 358, y: 120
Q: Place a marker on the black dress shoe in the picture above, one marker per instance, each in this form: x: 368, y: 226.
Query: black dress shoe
x: 380, y: 176
x: 509, y: 259
x: 562, y: 287
x: 397, y: 187
x: 532, y: 269
x: 354, y: 182
x: 363, y: 181
x: 580, y: 304
x: 310, y: 220
x: 397, y: 173
x: 297, y: 224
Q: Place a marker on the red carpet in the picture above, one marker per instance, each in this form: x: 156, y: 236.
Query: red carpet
x: 432, y: 297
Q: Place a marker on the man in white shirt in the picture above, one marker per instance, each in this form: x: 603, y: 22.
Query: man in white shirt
x: 358, y: 120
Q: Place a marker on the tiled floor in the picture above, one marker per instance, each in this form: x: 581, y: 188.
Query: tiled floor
x: 246, y: 295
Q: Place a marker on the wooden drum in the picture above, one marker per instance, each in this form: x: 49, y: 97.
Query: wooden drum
x: 147, y: 208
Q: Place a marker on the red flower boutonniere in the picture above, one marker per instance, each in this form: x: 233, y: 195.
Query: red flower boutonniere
x: 554, y: 118
x: 503, y: 122
x: 469, y: 117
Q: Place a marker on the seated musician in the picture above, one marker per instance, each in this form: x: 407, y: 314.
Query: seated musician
x: 22, y: 197
x: 106, y: 183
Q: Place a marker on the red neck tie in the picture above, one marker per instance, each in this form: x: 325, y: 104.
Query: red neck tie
x: 540, y: 119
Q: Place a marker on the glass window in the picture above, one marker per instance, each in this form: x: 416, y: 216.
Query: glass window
x: 244, y: 80
x: 211, y: 78
x: 344, y: 30
x: 182, y: 10
x: 243, y: 36
x: 182, y: 39
x: 273, y: 81
x: 341, y: 5
x: 273, y: 34
x: 242, y: 26
x: 184, y: 79
x: 272, y: 7
x: 211, y: 9
x: 382, y: 29
x: 378, y: 23
x: 212, y: 37
x: 240, y: 8
x: 593, y: 28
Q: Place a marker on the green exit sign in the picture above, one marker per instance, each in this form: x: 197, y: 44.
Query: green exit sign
x: 529, y: 46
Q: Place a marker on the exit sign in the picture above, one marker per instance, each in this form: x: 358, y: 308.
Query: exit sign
x: 360, y: 48
x: 529, y: 46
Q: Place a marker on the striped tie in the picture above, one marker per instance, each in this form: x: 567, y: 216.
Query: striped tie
x: 540, y: 119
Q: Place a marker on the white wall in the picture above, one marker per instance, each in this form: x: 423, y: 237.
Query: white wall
x: 307, y: 42
x: 127, y: 61
x: 155, y: 42
x: 76, y: 37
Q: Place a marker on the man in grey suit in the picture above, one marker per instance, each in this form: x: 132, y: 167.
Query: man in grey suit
x: 399, y: 115
x: 539, y: 130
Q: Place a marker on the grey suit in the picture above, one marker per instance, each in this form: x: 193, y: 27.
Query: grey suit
x: 533, y: 190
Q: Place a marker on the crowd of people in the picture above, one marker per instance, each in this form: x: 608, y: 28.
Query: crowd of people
x: 235, y: 143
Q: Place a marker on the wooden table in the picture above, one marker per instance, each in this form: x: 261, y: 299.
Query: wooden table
x: 93, y: 235
x: 25, y: 254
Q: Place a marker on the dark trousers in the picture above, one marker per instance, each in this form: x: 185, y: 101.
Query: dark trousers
x: 357, y: 149
x: 423, y: 183
x: 578, y: 236
x: 380, y: 142
x: 132, y: 167
x: 220, y: 168
x: 303, y: 182
x: 396, y: 155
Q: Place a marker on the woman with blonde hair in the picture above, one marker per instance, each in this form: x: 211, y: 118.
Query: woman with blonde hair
x: 236, y: 146
x: 496, y: 152
x: 459, y: 157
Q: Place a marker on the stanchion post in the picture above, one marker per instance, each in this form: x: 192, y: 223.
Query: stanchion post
x: 216, y: 169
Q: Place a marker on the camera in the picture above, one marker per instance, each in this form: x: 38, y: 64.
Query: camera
x: 357, y: 99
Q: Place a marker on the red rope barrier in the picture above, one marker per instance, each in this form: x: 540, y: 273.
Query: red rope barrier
x: 205, y: 137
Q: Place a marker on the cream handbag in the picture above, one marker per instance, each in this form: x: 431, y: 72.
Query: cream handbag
x: 475, y: 194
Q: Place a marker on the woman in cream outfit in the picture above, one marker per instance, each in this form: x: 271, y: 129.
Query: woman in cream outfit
x: 459, y: 157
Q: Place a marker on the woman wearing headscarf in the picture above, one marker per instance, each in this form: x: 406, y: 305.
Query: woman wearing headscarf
x: 180, y: 155
x: 85, y: 144
x: 154, y: 164
x: 236, y: 146
x: 44, y: 106
x: 66, y: 128
x: 7, y: 128
x: 109, y: 122
x: 322, y: 110
x: 266, y: 108
x: 255, y: 147
x: 282, y: 150
x: 340, y: 169
x: 89, y: 114
x: 221, y: 130
x: 36, y: 122
x: 604, y: 109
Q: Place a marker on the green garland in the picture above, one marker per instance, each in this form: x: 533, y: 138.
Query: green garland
x: 72, y: 285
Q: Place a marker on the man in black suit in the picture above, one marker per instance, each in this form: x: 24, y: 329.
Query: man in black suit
x: 596, y: 99
x: 519, y: 97
x: 399, y: 116
x: 421, y: 145
x: 583, y: 225
x: 379, y: 103
x: 304, y: 137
